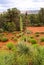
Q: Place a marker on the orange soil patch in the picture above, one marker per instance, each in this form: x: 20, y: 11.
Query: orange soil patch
x: 36, y: 29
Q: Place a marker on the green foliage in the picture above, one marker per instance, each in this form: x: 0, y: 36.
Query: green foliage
x: 42, y: 39
x: 10, y: 45
x: 25, y: 20
x: 38, y: 55
x: 23, y: 48
x: 9, y: 26
x: 23, y: 54
x: 34, y: 20
x: 33, y: 41
x: 31, y: 37
x: 3, y: 39
x: 41, y: 16
x: 37, y: 35
x: 9, y: 20
x: 7, y: 58
x: 13, y: 20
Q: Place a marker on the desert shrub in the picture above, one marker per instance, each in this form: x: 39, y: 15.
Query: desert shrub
x: 10, y: 45
x: 7, y: 58
x: 23, y: 48
x: 4, y: 39
x: 42, y: 39
x: 39, y: 60
x: 31, y: 37
x: 33, y: 41
x: 23, y: 60
x: 37, y: 35
x: 9, y: 26
x: 24, y: 54
x: 33, y: 55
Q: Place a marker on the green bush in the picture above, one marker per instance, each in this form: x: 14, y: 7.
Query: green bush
x: 9, y: 26
x: 33, y: 41
x: 4, y: 39
x: 7, y: 58
x: 31, y: 37
x: 37, y: 35
x: 33, y: 55
x: 23, y: 48
x: 10, y: 45
x: 42, y: 39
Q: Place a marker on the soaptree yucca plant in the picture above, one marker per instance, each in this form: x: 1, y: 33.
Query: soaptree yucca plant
x: 23, y: 48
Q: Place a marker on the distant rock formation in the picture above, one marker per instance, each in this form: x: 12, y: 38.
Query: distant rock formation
x: 30, y: 12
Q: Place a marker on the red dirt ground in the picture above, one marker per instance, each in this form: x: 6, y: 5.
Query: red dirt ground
x: 9, y: 35
x: 36, y: 29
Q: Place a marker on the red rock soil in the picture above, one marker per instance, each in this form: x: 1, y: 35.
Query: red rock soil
x: 33, y: 29
x: 36, y: 29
